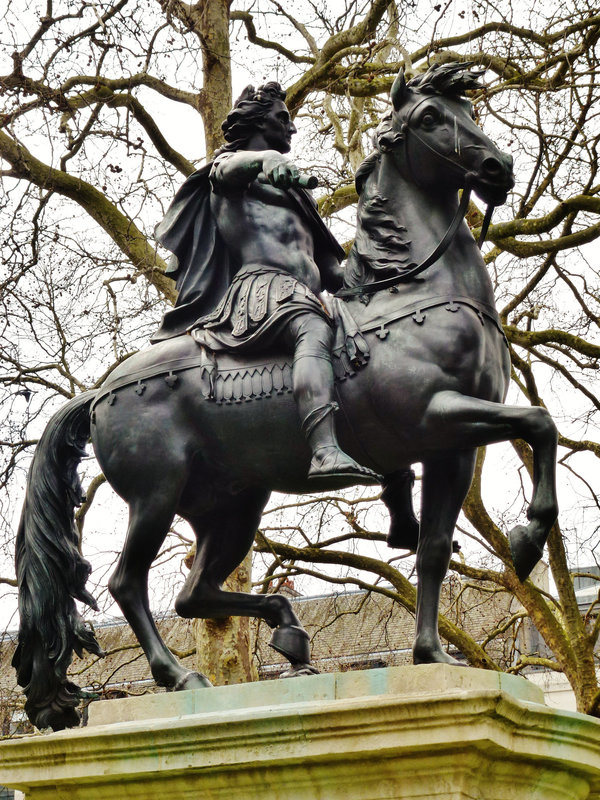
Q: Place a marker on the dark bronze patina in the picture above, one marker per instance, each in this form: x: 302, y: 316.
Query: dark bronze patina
x: 207, y: 425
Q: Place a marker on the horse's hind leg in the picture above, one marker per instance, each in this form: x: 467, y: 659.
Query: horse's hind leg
x: 149, y: 521
x: 468, y: 422
x: 397, y: 496
x: 446, y: 481
x: 224, y: 537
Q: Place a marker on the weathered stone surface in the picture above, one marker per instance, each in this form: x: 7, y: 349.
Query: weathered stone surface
x: 408, y: 732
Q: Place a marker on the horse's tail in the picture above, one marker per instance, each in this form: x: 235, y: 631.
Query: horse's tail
x: 51, y: 572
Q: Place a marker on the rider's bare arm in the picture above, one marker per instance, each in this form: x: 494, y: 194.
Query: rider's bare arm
x: 238, y: 170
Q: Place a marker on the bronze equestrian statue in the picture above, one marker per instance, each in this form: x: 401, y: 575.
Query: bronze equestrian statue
x: 197, y: 427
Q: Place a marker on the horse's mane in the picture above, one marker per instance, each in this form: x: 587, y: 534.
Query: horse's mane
x: 449, y: 80
x: 380, y: 242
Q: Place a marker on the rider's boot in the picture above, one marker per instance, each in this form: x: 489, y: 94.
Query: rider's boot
x: 313, y: 390
x: 312, y: 377
x: 328, y: 459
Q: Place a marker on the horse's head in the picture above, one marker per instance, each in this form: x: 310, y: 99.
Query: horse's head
x: 434, y: 140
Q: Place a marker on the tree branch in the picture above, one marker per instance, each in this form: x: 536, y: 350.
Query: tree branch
x: 248, y: 21
x: 121, y: 229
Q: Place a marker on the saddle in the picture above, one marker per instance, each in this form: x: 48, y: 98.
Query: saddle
x: 233, y: 377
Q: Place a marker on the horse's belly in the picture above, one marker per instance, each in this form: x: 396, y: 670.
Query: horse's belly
x: 170, y: 436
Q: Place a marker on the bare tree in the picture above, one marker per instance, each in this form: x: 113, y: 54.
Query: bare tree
x: 107, y: 106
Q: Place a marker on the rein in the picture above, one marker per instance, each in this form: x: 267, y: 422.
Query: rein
x: 415, y: 269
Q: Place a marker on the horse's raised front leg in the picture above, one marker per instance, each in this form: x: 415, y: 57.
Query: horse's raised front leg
x: 469, y: 422
x: 224, y: 537
x: 149, y: 521
x: 446, y: 481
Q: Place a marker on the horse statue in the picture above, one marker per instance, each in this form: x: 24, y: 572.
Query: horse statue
x: 179, y: 430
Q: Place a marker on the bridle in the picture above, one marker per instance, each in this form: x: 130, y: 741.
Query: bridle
x: 415, y: 269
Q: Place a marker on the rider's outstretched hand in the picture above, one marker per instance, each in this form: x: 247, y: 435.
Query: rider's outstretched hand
x: 280, y: 171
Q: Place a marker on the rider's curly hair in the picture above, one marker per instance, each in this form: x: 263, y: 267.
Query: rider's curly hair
x: 251, y: 106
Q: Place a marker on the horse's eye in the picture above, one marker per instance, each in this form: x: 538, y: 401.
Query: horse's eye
x: 428, y: 119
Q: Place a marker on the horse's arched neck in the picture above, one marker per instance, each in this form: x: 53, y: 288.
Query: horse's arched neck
x: 426, y: 213
x: 400, y: 224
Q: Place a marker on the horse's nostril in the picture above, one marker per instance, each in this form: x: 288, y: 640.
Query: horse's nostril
x: 492, y: 167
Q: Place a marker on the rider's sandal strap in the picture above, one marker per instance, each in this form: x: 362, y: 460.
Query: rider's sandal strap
x: 316, y: 416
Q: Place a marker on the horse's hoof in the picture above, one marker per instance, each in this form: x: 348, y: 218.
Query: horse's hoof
x: 293, y: 643
x: 525, y: 553
x: 54, y: 719
x: 405, y: 535
x: 191, y: 680
x: 437, y: 657
x: 409, y: 540
x: 397, y: 496
x: 298, y: 670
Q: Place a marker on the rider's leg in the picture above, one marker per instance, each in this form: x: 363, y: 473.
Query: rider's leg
x: 312, y: 377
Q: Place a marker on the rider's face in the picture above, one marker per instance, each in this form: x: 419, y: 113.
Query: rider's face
x: 278, y: 128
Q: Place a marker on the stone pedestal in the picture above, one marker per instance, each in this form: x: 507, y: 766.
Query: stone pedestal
x: 386, y: 734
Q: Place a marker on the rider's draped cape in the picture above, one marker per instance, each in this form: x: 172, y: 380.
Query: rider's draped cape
x: 202, y: 266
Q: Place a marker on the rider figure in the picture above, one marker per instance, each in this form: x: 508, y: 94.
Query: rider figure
x: 270, y: 257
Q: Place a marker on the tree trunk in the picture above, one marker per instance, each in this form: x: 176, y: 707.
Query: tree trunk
x: 211, y: 23
x: 216, y: 59
x: 224, y: 646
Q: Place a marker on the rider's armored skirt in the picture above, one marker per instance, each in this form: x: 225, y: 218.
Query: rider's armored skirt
x: 256, y: 309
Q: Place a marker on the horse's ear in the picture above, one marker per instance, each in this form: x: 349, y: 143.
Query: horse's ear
x: 398, y: 92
